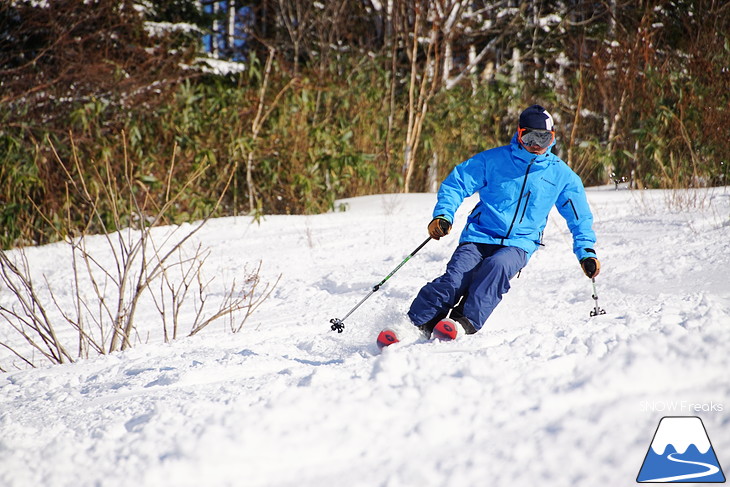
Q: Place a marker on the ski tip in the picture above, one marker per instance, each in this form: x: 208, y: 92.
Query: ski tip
x: 445, y: 330
x: 386, y: 338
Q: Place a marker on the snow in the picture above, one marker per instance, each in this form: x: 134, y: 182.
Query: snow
x: 162, y: 28
x: 219, y: 66
x: 543, y: 395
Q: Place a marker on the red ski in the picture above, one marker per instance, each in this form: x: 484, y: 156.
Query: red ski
x: 386, y: 338
x: 445, y: 330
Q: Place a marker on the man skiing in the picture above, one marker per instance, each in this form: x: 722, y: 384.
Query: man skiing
x: 518, y: 184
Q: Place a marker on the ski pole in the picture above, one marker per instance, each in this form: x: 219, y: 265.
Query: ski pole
x: 597, y: 310
x: 338, y: 325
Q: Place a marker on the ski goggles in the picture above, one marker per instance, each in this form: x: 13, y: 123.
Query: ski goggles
x: 535, y: 137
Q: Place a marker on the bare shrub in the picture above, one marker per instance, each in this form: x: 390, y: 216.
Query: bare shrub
x: 112, y: 274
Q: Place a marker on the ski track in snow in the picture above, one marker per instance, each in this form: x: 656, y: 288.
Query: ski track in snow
x: 543, y: 395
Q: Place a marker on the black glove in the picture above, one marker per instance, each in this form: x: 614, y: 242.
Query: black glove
x: 591, y: 266
x: 439, y: 227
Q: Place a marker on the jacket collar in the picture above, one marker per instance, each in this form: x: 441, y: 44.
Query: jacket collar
x: 521, y: 154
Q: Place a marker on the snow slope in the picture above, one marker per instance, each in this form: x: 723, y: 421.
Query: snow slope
x: 544, y: 395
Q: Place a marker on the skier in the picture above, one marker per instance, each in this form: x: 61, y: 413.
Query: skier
x: 518, y: 184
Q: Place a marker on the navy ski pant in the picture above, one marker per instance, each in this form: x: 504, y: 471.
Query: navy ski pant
x: 480, y: 272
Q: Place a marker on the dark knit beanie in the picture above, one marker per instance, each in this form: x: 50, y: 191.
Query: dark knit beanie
x: 536, y: 117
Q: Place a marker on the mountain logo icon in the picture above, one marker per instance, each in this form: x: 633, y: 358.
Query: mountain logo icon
x: 681, y: 452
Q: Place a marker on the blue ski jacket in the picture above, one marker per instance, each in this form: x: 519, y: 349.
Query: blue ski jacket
x: 517, y: 190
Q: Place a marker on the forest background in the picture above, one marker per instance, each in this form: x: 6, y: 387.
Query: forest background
x: 192, y: 109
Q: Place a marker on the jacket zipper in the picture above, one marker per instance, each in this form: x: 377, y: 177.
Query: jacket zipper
x: 472, y: 219
x: 522, y: 191
x: 573, y: 207
x: 524, y: 210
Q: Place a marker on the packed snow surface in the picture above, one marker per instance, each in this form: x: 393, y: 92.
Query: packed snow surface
x: 544, y: 395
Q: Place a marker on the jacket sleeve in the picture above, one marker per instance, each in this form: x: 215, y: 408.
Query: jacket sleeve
x: 573, y: 206
x: 463, y: 181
